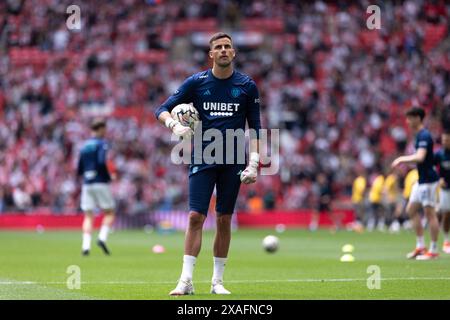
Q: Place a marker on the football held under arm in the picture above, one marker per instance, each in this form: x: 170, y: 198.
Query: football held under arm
x: 182, y: 95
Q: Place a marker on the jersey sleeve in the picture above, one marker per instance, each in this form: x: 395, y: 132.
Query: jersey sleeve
x: 182, y: 95
x: 423, y: 141
x: 102, y: 153
x: 253, y: 111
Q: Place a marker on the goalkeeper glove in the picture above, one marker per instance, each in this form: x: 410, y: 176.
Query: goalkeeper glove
x: 178, y: 129
x: 249, y: 174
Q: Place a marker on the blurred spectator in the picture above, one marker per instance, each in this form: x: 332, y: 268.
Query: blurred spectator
x: 336, y: 90
x: 22, y: 199
x: 254, y: 203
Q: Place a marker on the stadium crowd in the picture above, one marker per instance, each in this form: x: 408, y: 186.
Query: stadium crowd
x: 335, y: 89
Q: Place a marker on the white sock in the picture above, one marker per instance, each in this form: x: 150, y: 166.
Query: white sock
x: 188, y: 267
x: 420, y: 242
x: 433, y: 247
x: 86, y: 241
x: 446, y: 238
x: 103, y: 235
x: 219, y: 267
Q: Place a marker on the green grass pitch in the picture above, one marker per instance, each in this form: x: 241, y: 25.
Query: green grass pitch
x: 34, y: 266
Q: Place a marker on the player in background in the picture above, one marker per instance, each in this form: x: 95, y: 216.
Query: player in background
x: 358, y: 199
x: 400, y: 219
x: 236, y: 97
x: 442, y: 159
x: 324, y: 194
x: 93, y: 167
x: 392, y: 194
x: 376, y: 204
x: 424, y: 192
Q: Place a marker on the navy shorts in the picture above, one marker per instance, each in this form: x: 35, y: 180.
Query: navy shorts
x: 226, y: 179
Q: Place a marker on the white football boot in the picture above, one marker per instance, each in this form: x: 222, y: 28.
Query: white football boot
x: 218, y: 288
x: 184, y: 287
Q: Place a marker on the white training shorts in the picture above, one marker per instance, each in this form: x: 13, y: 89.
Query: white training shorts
x: 96, y: 195
x: 444, y: 200
x: 425, y: 194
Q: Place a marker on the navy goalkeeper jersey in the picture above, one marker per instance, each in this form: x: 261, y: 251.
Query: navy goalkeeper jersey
x: 222, y: 104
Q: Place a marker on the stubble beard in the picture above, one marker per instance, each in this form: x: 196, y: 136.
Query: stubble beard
x: 223, y: 64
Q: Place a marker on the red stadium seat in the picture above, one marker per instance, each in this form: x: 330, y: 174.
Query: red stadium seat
x: 263, y: 25
x: 434, y: 34
x: 198, y: 25
x: 152, y: 56
x: 24, y: 56
x: 368, y: 38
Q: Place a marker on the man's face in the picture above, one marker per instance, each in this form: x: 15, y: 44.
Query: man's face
x: 322, y: 179
x: 413, y: 122
x: 446, y: 140
x: 222, y: 52
x: 101, y: 132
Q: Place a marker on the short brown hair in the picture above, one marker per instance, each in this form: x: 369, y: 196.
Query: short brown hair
x: 219, y: 35
x: 97, y: 124
x: 416, y: 112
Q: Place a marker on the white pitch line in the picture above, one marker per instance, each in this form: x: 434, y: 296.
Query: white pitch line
x: 229, y: 281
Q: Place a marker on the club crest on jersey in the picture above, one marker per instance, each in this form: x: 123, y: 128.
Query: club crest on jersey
x: 235, y: 92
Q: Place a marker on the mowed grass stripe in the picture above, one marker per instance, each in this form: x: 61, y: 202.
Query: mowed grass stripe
x: 307, y: 266
x: 20, y: 290
x: 228, y: 281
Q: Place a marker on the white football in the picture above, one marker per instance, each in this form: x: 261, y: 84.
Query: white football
x: 270, y: 243
x: 186, y: 114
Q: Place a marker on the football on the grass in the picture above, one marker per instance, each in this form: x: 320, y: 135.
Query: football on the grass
x: 270, y: 243
x: 186, y: 114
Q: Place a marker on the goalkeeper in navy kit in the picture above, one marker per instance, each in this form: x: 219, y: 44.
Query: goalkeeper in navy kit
x: 225, y: 99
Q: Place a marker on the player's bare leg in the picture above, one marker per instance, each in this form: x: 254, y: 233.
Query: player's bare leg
x: 337, y: 218
x: 396, y: 222
x: 314, y: 224
x: 381, y: 223
x: 192, y: 246
x: 193, y: 239
x: 108, y: 220
x: 88, y: 223
x: 413, y: 212
x: 358, y: 225
x: 446, y: 229
x: 433, y: 223
x: 223, y: 235
x: 221, y: 246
